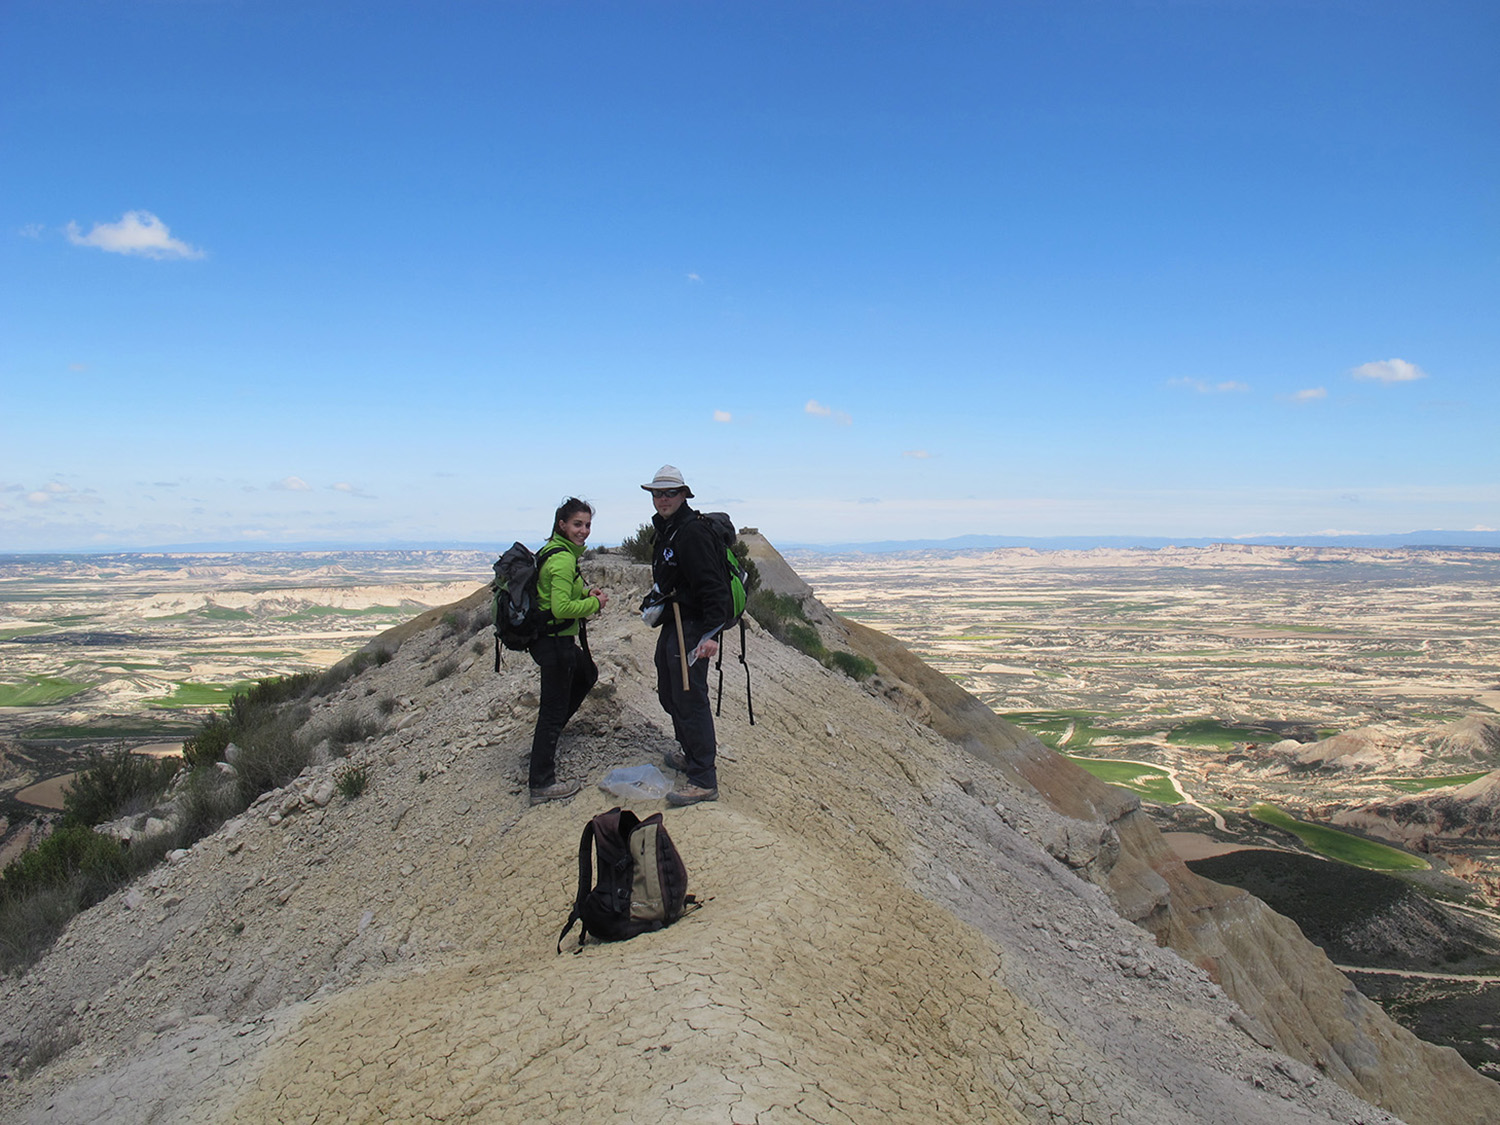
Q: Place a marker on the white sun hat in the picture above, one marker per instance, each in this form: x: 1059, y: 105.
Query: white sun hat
x: 668, y: 476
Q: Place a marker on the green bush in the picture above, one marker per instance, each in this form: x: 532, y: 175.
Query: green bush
x: 351, y: 728
x: 116, y: 784
x: 854, y: 666
x: 206, y: 801
x: 773, y: 611
x: 352, y: 781
x: 752, y: 572
x: 74, y: 852
x: 444, y: 670
x: 638, y: 545
x: 805, y: 639
x: 271, y: 755
x: 208, y: 745
x: 784, y: 617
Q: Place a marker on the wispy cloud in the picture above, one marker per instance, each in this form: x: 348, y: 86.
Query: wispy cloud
x: 138, y: 232
x: 31, y: 230
x: 350, y: 490
x: 695, y: 278
x: 723, y: 416
x: 1312, y: 394
x: 818, y: 410
x: 1204, y: 387
x: 916, y: 454
x: 1389, y: 371
x: 291, y: 484
x: 57, y: 492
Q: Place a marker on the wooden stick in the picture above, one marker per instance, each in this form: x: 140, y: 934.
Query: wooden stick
x: 681, y: 645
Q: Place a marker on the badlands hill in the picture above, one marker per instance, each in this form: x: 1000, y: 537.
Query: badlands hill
x: 1471, y: 810
x: 914, y: 913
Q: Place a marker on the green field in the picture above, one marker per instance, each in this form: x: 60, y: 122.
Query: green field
x: 23, y: 631
x: 1422, y: 784
x: 200, y: 695
x: 1149, y: 781
x: 1211, y: 732
x: 1338, y: 845
x: 1050, y: 726
x: 39, y: 690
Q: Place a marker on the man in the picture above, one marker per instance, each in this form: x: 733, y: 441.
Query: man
x: 691, y: 593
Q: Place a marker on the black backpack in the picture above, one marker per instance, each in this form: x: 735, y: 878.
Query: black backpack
x: 520, y: 620
x: 642, y: 882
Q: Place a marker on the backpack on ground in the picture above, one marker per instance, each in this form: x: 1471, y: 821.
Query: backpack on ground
x: 520, y: 620
x: 723, y: 528
x: 641, y: 883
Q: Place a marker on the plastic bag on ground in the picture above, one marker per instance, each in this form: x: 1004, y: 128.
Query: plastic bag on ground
x: 640, y: 783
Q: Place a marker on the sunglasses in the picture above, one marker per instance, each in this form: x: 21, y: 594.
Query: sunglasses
x: 668, y: 493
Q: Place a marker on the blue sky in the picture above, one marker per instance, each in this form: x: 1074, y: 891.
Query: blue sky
x: 358, y: 273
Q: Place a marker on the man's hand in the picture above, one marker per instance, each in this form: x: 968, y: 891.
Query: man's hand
x: 706, y: 651
x: 603, y: 598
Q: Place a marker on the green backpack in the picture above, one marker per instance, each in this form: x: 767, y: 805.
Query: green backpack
x: 723, y: 527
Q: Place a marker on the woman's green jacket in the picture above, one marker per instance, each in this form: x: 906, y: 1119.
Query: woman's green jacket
x: 560, y: 587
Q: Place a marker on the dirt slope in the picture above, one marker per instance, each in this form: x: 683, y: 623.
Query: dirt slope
x: 888, y: 933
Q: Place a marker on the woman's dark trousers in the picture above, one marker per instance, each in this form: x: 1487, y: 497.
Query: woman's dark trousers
x: 568, y: 673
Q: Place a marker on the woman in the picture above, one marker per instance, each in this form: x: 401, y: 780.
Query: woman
x: 568, y: 672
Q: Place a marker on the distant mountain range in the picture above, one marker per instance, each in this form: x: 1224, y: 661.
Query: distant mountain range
x: 1481, y: 539
x: 1489, y: 540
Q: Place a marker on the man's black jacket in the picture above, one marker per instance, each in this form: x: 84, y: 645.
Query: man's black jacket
x: 688, y: 565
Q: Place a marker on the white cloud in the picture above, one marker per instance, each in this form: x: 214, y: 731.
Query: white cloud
x: 1203, y: 387
x: 818, y: 410
x: 350, y: 490
x: 138, y: 232
x: 695, y: 278
x: 723, y: 416
x: 917, y: 454
x: 31, y: 230
x: 292, y: 484
x: 1389, y: 371
x: 1310, y: 395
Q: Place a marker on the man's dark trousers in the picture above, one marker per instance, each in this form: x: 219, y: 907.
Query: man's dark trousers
x: 692, y: 714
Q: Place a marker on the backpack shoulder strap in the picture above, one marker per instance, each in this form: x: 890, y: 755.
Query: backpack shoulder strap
x: 585, y: 880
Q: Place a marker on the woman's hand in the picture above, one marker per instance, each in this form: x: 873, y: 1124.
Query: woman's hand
x: 603, y: 598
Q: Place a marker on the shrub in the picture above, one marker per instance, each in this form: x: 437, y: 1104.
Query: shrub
x: 386, y: 705
x: 783, y: 617
x: 854, y: 666
x: 752, y: 572
x: 638, y: 545
x: 205, y: 801
x: 351, y: 728
x: 30, y: 923
x: 805, y: 639
x: 271, y: 755
x: 352, y: 780
x: 115, y: 784
x: 444, y: 670
x: 209, y: 744
x: 773, y: 611
x: 74, y: 853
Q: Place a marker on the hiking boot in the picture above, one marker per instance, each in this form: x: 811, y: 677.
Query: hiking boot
x: 675, y: 760
x: 557, y: 791
x: 691, y: 795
